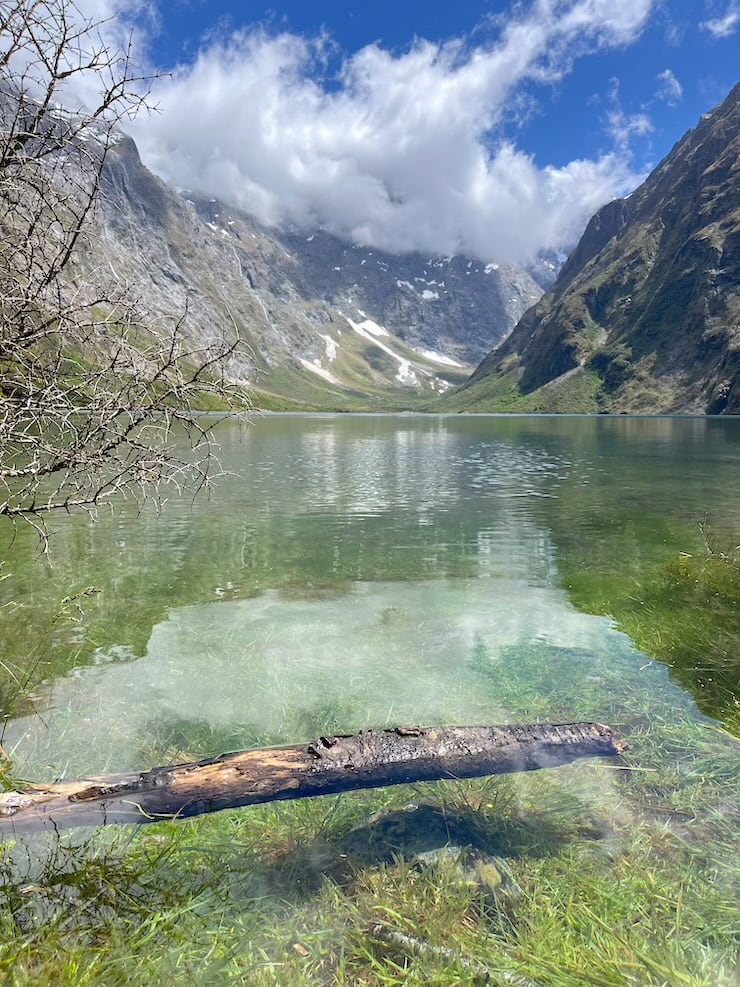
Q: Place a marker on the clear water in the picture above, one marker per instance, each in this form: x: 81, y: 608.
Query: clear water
x: 354, y: 572
x: 361, y: 571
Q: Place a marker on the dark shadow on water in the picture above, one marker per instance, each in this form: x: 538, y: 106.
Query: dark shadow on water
x: 80, y: 879
x: 413, y: 833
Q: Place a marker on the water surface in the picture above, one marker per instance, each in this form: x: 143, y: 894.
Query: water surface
x: 361, y: 571
x: 354, y: 572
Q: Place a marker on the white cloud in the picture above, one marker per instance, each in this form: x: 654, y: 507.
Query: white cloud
x: 669, y: 88
x: 623, y: 127
x: 726, y: 25
x: 401, y: 151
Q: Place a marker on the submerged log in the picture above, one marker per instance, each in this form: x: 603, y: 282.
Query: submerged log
x: 331, y: 764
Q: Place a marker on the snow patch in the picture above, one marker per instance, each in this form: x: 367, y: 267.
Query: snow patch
x: 428, y: 295
x: 489, y: 268
x: 405, y: 374
x: 368, y: 327
x: 405, y: 284
x: 371, y: 331
x: 309, y: 239
x: 316, y: 369
x: 331, y: 348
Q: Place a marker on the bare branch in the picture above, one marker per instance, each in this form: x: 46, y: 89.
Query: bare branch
x: 91, y: 389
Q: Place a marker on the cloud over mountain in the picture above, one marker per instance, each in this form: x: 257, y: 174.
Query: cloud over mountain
x: 398, y: 150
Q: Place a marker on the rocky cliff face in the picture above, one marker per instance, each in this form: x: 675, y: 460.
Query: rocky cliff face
x: 645, y: 315
x: 451, y: 305
x: 321, y: 321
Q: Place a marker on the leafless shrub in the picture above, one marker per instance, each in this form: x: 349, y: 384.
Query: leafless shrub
x: 95, y: 400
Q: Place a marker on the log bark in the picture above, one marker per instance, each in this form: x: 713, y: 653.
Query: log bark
x: 331, y: 764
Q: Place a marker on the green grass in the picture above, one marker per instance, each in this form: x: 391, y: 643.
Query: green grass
x: 577, y: 393
x: 610, y: 885
x: 684, y: 610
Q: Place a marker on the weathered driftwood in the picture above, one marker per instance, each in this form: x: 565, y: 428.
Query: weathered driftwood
x: 331, y: 764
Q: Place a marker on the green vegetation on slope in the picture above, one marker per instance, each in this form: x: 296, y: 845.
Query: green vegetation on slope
x: 364, y: 383
x: 649, y: 299
x: 577, y: 392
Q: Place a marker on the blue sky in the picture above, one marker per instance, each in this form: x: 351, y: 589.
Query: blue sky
x: 487, y: 127
x: 569, y: 119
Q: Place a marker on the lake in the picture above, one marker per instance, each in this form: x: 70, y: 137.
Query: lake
x: 367, y: 571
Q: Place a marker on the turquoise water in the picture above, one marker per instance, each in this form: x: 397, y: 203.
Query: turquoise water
x: 360, y: 571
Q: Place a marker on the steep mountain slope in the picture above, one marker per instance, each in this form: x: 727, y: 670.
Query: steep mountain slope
x: 322, y: 323
x: 450, y: 305
x: 645, y: 314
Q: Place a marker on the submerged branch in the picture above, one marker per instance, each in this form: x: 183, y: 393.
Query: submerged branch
x: 426, y: 951
x: 331, y: 764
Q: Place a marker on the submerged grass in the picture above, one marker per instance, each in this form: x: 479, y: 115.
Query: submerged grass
x: 596, y: 874
x: 610, y: 875
x: 683, y: 609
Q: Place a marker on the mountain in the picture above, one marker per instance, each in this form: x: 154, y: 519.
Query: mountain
x: 645, y: 314
x: 322, y: 323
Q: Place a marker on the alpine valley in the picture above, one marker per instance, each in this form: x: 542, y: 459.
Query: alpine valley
x: 322, y: 323
x: 644, y: 316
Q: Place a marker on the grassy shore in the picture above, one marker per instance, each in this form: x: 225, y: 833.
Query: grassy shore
x: 595, y: 873
x: 618, y: 893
